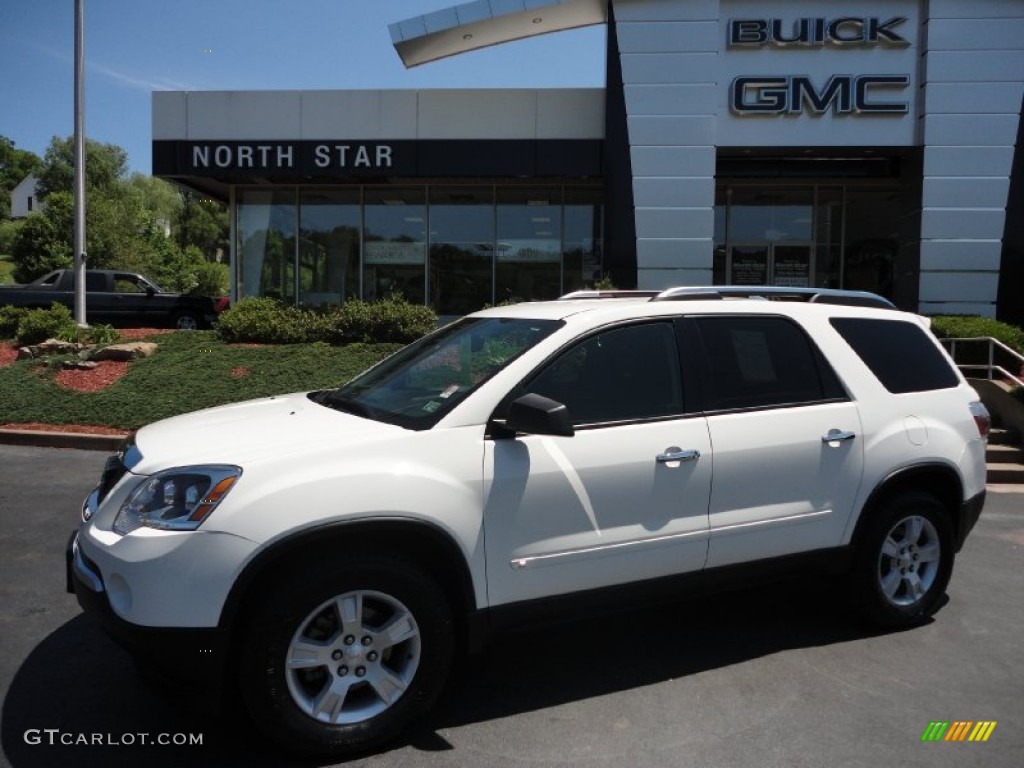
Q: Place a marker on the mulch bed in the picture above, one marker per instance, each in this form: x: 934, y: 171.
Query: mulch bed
x: 8, y: 354
x: 131, y: 334
x: 83, y: 429
x: 100, y: 377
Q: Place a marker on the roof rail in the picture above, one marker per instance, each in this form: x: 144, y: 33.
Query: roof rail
x: 614, y: 293
x: 776, y: 293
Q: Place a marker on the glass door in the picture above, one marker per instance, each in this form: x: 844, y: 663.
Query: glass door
x: 791, y: 265
x: 770, y: 263
x: 748, y: 264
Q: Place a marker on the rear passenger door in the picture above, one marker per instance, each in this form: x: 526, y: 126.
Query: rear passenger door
x: 786, y: 439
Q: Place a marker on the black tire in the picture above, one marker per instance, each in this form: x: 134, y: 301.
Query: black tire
x: 187, y: 321
x: 307, y: 605
x: 904, y: 560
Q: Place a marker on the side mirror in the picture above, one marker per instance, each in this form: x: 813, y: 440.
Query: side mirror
x: 150, y: 291
x: 539, y: 415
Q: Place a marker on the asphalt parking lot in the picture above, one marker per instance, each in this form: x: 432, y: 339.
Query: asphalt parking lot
x: 775, y: 676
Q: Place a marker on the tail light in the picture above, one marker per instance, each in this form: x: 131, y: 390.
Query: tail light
x: 981, y: 418
x: 221, y: 303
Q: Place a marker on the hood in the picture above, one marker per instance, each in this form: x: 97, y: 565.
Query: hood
x: 247, y: 432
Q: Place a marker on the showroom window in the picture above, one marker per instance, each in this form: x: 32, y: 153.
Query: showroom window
x: 461, y: 249
x: 266, y: 243
x: 330, y: 226
x: 395, y: 244
x: 455, y: 247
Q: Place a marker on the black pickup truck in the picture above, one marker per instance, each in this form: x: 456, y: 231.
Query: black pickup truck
x: 118, y: 298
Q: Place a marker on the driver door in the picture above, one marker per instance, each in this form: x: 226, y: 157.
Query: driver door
x: 624, y: 499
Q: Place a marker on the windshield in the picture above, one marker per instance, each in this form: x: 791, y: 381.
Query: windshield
x: 418, y: 385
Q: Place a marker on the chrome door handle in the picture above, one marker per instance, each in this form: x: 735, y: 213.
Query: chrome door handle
x: 836, y: 436
x: 674, y: 454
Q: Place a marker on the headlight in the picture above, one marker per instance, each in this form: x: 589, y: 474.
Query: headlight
x: 177, y: 499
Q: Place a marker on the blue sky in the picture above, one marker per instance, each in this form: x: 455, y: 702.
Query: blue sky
x: 134, y: 47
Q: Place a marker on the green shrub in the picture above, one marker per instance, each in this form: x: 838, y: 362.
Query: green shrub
x: 392, y: 320
x: 41, y: 324
x: 101, y: 334
x: 10, y: 317
x: 971, y: 326
x: 266, y: 321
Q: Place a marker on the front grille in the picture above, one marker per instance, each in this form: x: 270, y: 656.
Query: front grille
x: 113, y: 471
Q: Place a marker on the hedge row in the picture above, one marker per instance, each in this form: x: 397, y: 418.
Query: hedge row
x: 972, y: 326
x: 267, y: 321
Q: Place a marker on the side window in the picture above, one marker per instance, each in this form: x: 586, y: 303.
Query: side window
x: 758, y: 362
x: 126, y: 284
x: 623, y: 374
x: 899, y: 353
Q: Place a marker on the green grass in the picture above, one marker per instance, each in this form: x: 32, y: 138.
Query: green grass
x: 6, y: 270
x: 191, y: 370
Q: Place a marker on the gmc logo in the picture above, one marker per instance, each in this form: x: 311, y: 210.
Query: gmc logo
x: 843, y: 94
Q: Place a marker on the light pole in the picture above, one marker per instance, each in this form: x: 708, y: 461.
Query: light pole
x: 79, y: 150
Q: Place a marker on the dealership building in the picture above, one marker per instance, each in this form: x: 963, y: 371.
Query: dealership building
x: 850, y: 144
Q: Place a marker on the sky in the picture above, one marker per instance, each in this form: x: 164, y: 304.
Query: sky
x: 135, y: 47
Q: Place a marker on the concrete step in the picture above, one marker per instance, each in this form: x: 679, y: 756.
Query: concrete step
x: 1005, y: 474
x: 1004, y: 457
x: 1004, y: 437
x: 1004, y: 454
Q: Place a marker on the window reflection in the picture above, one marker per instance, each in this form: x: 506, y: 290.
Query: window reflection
x: 529, y: 247
x: 395, y: 244
x: 461, y: 249
x: 266, y: 243
x: 318, y: 246
x: 329, y: 246
x: 582, y: 249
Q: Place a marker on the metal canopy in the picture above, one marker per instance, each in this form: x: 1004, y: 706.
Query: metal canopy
x: 479, y: 24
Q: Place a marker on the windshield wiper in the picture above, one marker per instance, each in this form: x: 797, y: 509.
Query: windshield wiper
x: 331, y: 399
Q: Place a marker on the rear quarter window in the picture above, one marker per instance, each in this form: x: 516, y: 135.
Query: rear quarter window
x: 901, y: 355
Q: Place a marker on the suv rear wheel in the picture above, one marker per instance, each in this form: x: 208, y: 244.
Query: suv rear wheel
x: 339, y: 658
x: 904, y: 560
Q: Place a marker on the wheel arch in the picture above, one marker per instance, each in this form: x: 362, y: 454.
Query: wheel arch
x: 939, y: 480
x: 422, y: 544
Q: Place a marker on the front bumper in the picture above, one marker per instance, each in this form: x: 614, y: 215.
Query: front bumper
x: 968, y: 515
x: 185, y: 655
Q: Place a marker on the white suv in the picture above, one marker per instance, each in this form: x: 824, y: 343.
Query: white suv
x: 330, y: 551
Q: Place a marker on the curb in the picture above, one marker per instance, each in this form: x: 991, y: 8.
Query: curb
x: 42, y: 439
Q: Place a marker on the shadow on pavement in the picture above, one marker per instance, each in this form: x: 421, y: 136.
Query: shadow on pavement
x: 79, y: 682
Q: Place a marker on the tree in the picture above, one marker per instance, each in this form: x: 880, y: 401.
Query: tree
x: 15, y: 165
x: 105, y: 166
x: 204, y: 224
x: 127, y: 222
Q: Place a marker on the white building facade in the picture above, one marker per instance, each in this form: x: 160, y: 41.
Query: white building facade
x: 859, y: 144
x: 25, y: 198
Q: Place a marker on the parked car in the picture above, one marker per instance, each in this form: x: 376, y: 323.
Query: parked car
x: 119, y: 298
x: 330, y: 551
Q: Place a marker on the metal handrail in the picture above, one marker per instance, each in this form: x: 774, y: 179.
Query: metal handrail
x: 990, y: 367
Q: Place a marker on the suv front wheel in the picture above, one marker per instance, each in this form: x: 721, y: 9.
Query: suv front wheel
x: 904, y: 560
x: 339, y: 657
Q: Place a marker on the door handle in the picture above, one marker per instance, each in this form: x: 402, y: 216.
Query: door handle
x: 837, y: 436
x: 675, y: 454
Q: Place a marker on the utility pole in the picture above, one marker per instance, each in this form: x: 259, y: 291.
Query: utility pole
x: 79, y: 187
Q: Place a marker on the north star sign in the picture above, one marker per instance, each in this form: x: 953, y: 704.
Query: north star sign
x: 842, y: 94
x: 276, y: 156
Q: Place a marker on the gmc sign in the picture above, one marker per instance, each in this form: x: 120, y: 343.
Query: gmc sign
x: 843, y: 94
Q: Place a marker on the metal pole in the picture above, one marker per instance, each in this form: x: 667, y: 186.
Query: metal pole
x: 79, y: 185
